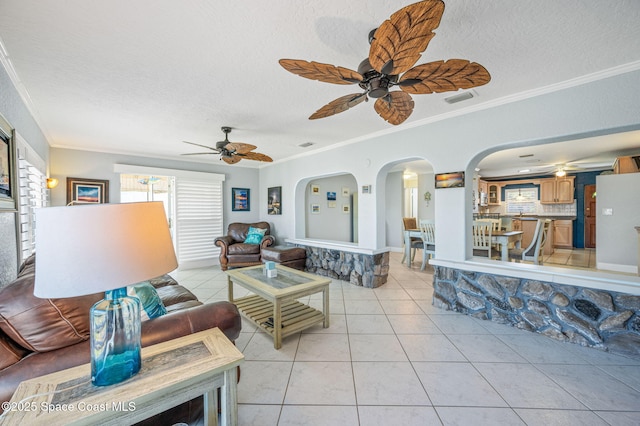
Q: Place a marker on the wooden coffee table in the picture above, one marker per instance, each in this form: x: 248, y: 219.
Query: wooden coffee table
x: 274, y: 307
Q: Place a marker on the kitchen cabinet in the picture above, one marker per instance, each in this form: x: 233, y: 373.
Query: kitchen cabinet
x: 493, y: 191
x: 563, y: 234
x: 557, y: 191
x: 528, y: 227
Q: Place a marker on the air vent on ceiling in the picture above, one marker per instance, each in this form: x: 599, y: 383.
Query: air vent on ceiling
x: 306, y: 144
x: 525, y: 155
x: 459, y: 98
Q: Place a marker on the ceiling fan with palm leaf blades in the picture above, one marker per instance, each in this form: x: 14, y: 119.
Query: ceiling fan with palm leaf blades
x: 395, y: 47
x: 232, y: 152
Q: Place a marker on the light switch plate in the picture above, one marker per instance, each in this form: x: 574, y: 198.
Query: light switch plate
x: 607, y: 212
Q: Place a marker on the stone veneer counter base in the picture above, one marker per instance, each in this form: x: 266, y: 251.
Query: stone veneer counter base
x: 360, y: 267
x: 603, y: 319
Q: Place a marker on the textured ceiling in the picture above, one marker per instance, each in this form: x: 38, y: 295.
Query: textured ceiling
x: 141, y: 76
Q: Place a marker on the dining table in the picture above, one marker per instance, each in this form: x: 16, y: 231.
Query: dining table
x: 504, y: 238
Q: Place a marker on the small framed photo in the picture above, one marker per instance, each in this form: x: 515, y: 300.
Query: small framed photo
x: 315, y: 208
x: 315, y: 190
x: 450, y: 180
x: 274, y: 202
x: 7, y: 197
x: 331, y: 196
x: 346, y: 208
x: 345, y: 191
x: 366, y: 189
x: 240, y: 199
x: 87, y: 191
x: 331, y: 204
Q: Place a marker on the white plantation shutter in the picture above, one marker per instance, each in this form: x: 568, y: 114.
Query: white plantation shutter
x: 196, y: 213
x: 198, y: 220
x: 32, y: 195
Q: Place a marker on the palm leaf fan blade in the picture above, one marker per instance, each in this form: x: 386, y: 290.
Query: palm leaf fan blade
x: 444, y: 76
x: 321, y: 72
x: 257, y: 156
x: 395, y: 108
x: 239, y: 147
x: 233, y: 159
x: 339, y: 105
x: 401, y: 39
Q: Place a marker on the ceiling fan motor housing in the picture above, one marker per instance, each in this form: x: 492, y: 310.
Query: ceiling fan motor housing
x: 376, y: 84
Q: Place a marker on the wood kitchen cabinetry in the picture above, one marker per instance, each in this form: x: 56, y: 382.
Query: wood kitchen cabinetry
x: 528, y: 228
x: 493, y: 194
x: 557, y: 191
x: 563, y: 233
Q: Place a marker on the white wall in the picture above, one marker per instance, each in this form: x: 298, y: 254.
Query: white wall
x: 617, y: 248
x: 95, y: 165
x: 394, y: 209
x: 330, y: 223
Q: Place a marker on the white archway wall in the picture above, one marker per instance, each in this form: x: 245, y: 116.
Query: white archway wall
x: 453, y: 144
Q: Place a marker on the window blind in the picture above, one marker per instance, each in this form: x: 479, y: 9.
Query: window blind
x: 198, y: 220
x: 32, y: 189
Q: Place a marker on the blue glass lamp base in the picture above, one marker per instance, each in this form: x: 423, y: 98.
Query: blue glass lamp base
x: 115, y: 338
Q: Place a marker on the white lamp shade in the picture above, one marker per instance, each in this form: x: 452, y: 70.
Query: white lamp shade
x: 90, y: 249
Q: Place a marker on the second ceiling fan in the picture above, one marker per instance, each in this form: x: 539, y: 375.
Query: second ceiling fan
x: 395, y: 47
x: 232, y: 152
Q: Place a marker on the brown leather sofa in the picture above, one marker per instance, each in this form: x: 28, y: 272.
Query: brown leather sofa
x: 234, y: 252
x: 41, y: 336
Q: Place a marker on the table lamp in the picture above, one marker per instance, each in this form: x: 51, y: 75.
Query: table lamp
x: 104, y: 247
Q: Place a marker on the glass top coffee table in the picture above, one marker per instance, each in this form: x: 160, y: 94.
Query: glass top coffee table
x: 274, y: 306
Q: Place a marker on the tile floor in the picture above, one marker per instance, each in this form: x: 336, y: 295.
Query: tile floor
x: 577, y: 258
x: 391, y: 358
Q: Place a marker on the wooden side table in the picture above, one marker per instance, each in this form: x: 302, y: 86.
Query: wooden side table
x: 172, y: 372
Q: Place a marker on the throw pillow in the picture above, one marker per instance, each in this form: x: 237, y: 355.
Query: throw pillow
x: 255, y: 235
x: 150, y: 302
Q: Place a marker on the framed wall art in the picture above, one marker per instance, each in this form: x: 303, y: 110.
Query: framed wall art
x: 240, y: 201
x: 274, y: 203
x: 7, y: 200
x: 87, y: 191
x: 450, y: 180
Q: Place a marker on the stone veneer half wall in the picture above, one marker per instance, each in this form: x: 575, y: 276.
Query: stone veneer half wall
x: 603, y: 319
x: 365, y: 270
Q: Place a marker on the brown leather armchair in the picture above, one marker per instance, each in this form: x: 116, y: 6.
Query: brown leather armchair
x: 234, y: 252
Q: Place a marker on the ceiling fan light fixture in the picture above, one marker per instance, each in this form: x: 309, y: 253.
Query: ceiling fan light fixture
x: 561, y: 173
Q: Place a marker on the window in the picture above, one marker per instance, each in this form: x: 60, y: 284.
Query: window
x: 521, y: 200
x: 194, y: 208
x: 32, y: 194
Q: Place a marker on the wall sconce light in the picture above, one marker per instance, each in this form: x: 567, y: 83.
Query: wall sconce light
x: 52, y: 183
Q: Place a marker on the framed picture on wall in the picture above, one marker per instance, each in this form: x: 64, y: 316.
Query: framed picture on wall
x: 315, y: 190
x: 274, y: 200
x: 315, y: 208
x: 331, y: 195
x: 450, y: 180
x: 6, y: 171
x: 240, y: 201
x: 87, y: 191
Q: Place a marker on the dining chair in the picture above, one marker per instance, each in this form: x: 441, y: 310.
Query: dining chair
x: 428, y: 233
x: 416, y: 243
x: 534, y: 251
x: 482, y: 230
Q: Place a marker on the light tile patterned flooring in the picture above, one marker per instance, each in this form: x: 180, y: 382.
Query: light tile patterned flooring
x: 577, y: 258
x: 391, y: 358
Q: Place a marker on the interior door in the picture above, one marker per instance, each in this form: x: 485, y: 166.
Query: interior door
x: 590, y: 216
